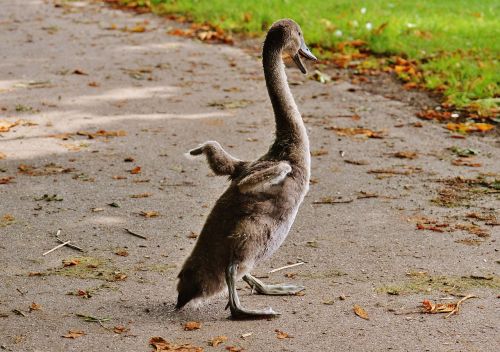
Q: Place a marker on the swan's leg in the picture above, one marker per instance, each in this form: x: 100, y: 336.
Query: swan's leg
x: 237, y: 311
x: 276, y: 290
x: 220, y: 161
x: 263, y: 180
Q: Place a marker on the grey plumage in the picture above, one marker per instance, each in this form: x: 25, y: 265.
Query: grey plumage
x: 253, y: 216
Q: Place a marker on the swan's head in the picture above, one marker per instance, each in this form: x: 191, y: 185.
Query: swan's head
x: 288, y: 35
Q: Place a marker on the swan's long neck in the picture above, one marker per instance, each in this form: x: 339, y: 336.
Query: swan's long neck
x: 291, y: 135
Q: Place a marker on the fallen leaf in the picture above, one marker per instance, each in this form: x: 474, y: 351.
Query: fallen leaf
x: 120, y: 329
x: 6, y: 180
x: 121, y: 252
x: 319, y: 152
x: 282, y: 335
x: 406, y: 155
x: 83, y: 294
x: 35, y: 306
x: 118, y: 177
x: 70, y: 262
x: 466, y: 127
x: 350, y: 131
x: 119, y: 277
x: 136, y: 29
x: 451, y: 308
x: 192, y: 235
x: 5, y: 126
x: 2, y: 155
x: 234, y: 349
x: 463, y: 152
x: 136, y: 170
x: 320, y: 77
x: 79, y: 72
x: 73, y: 334
x: 192, y: 325
x: 149, y: 214
x: 160, y: 344
x: 360, y: 312
x: 466, y: 162
x: 141, y: 195
x: 473, y: 229
x: 216, y: 341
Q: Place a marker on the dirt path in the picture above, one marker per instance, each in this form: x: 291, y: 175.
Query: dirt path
x: 154, y: 96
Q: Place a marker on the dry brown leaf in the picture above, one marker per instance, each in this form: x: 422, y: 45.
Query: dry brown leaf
x: 234, y: 348
x: 73, y: 334
x: 5, y: 125
x: 216, y: 341
x: 149, y: 214
x: 360, y: 312
x: 118, y: 177
x: 451, y: 308
x: 406, y: 155
x: 141, y: 195
x: 71, y: 262
x: 35, y: 306
x: 121, y: 252
x: 466, y: 162
x: 6, y: 180
x: 120, y: 329
x: 2, y: 155
x: 466, y: 127
x: 357, y: 131
x: 319, y: 152
x: 136, y: 170
x: 160, y: 344
x: 136, y: 29
x: 192, y: 325
x: 282, y: 335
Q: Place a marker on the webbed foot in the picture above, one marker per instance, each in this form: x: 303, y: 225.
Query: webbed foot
x: 274, y: 290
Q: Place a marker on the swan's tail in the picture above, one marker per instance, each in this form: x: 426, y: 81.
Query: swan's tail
x: 197, y: 282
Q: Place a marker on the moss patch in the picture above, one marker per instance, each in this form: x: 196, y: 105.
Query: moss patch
x: 89, y: 268
x: 447, y: 284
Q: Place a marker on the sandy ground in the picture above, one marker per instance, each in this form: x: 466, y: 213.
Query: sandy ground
x: 72, y: 68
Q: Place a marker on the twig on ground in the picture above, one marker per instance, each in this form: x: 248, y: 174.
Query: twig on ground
x: 56, y: 247
x: 91, y: 319
x: 135, y: 234
x: 286, y: 267
x: 332, y: 201
x: 70, y: 245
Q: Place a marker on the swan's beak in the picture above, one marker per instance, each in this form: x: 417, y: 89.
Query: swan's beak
x: 306, y: 53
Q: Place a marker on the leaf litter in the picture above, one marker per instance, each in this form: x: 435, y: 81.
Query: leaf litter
x: 160, y: 344
x: 450, y: 308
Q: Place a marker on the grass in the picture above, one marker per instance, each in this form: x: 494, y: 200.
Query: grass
x: 89, y: 268
x: 453, y: 42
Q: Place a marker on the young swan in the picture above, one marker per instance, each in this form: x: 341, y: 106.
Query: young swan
x: 253, y: 216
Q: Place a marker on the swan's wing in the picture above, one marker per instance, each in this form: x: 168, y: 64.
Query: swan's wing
x: 262, y: 181
x: 220, y: 161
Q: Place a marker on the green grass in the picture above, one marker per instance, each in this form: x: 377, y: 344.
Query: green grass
x: 455, y: 42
